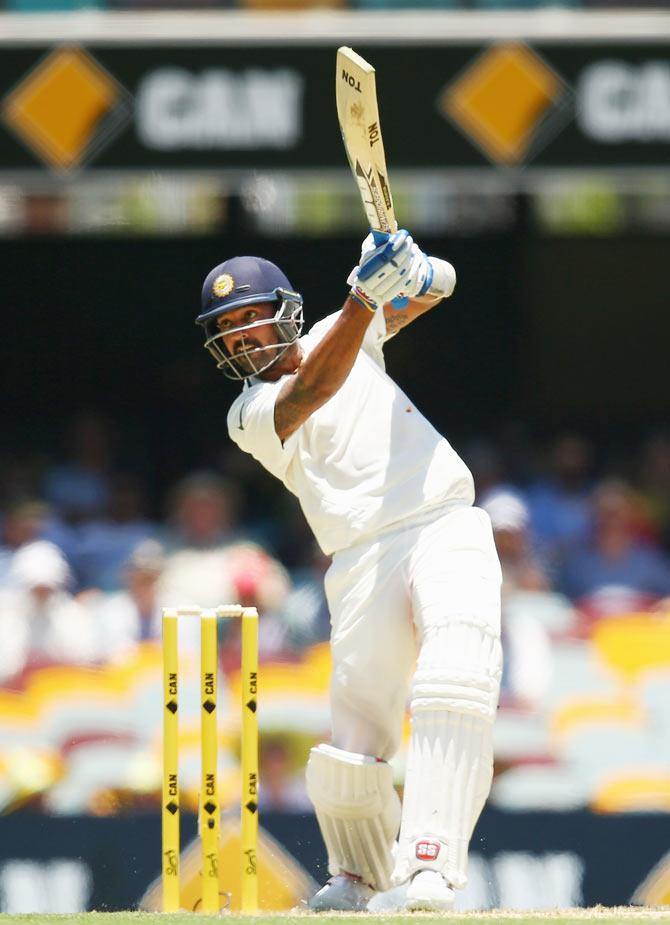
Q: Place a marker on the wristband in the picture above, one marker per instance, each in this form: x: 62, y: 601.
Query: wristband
x: 358, y: 296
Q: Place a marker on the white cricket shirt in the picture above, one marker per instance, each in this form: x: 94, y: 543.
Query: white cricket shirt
x: 364, y: 461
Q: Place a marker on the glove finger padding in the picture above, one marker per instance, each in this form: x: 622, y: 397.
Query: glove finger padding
x: 418, y: 272
x: 422, y: 274
x: 379, y: 258
x: 375, y: 257
x: 389, y: 282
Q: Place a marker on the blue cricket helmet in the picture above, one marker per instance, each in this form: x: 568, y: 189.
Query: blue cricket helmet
x: 242, y: 281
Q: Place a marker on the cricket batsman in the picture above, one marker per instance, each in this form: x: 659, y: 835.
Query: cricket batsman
x: 414, y: 584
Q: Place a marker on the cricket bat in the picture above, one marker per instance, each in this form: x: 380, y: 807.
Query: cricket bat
x: 357, y: 111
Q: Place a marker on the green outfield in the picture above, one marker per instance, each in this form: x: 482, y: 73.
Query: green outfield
x: 565, y: 917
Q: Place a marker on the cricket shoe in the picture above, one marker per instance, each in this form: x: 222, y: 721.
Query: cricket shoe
x: 342, y: 893
x: 428, y: 891
x: 393, y: 900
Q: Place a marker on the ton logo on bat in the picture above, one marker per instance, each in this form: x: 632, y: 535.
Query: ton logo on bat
x: 356, y: 84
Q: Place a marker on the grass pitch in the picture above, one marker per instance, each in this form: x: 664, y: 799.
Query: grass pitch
x: 598, y: 914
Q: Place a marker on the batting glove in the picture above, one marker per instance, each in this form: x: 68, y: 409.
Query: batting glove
x: 425, y: 275
x: 385, y: 261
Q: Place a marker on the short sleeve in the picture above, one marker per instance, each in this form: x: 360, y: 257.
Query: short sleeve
x: 251, y: 425
x: 373, y: 341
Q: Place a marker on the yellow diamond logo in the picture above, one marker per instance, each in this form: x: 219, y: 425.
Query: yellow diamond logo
x: 66, y: 108
x: 508, y: 102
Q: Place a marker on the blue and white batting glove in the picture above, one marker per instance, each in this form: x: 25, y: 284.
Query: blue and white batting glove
x: 398, y: 261
x: 385, y: 261
x: 419, y: 275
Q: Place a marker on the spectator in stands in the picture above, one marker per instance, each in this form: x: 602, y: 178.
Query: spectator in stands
x: 132, y: 616
x: 164, y: 5
x: 304, y: 618
x: 105, y: 543
x: 252, y: 577
x: 527, y: 664
x: 80, y: 488
x: 286, y: 531
x: 626, y: 4
x: 655, y: 484
x: 209, y: 561
x: 202, y: 513
x: 50, y: 6
x: 559, y: 503
x: 283, y: 777
x: 510, y: 519
x: 617, y: 572
x: 483, y: 460
x: 40, y: 621
x: 23, y: 523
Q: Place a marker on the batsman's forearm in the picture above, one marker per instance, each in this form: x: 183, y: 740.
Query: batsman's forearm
x: 323, y: 372
x: 329, y: 364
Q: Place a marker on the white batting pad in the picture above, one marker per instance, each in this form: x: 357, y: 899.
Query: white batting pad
x: 459, y: 669
x: 450, y: 761
x: 358, y: 812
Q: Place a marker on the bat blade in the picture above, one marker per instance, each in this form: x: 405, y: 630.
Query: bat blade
x: 358, y: 114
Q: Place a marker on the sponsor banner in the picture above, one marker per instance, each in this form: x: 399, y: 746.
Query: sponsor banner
x: 509, y: 105
x: 527, y: 860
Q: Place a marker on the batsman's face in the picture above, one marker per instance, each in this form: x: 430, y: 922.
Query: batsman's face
x: 260, y: 343
x: 261, y: 336
x: 238, y: 343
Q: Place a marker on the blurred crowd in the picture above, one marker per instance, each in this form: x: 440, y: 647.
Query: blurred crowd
x: 85, y: 568
x: 56, y: 5
x: 89, y: 554
x: 87, y: 560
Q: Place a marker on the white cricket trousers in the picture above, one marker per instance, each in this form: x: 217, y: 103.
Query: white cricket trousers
x: 387, y: 596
